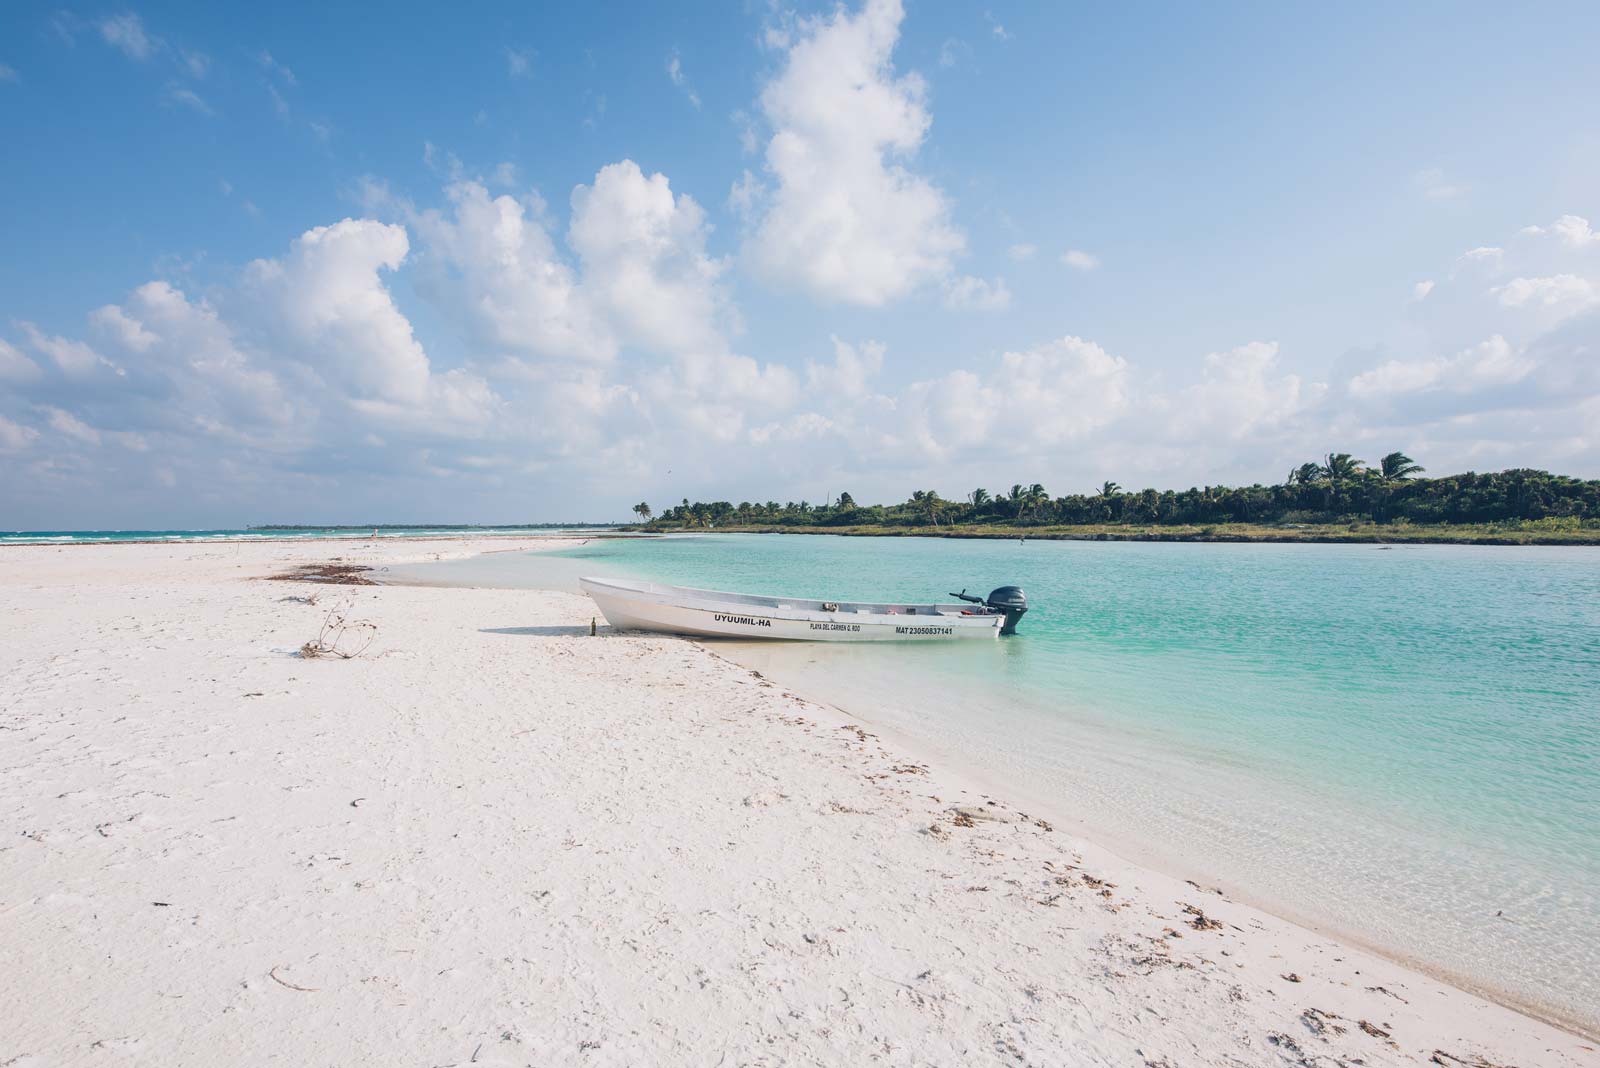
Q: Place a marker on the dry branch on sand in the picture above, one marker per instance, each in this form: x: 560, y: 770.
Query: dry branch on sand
x: 341, y: 638
x: 273, y: 973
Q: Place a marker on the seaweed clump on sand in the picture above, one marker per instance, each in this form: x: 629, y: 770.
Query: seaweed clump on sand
x: 331, y: 574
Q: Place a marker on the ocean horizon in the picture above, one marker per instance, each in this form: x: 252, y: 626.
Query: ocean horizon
x: 67, y: 537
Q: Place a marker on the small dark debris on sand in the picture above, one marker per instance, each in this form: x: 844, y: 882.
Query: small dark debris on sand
x: 1471, y: 1060
x: 1391, y: 993
x: 328, y: 574
x: 1320, y: 1022
x: 1284, y: 1042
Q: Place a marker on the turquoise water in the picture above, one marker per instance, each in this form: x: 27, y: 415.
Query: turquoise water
x: 1401, y: 745
x: 56, y: 537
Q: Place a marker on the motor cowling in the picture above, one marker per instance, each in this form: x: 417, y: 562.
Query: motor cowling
x: 1011, y: 601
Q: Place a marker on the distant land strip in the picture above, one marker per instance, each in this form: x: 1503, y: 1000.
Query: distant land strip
x: 1340, y: 499
x: 1370, y: 533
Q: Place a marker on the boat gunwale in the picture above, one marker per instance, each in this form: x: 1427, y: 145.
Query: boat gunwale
x: 871, y: 613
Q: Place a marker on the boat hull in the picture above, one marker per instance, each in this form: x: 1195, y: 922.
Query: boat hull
x: 628, y: 609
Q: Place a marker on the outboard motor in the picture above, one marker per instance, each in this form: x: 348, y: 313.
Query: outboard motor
x: 1009, y: 600
x: 1013, y: 602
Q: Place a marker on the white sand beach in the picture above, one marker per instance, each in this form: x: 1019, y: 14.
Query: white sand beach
x: 493, y: 839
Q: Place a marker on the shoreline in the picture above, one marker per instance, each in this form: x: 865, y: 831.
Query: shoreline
x: 845, y: 816
x: 1124, y: 846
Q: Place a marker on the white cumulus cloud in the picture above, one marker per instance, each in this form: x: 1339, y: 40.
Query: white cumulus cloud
x: 1241, y: 393
x: 1573, y: 230
x: 1556, y: 290
x: 329, y: 297
x: 14, y: 365
x: 644, y: 260
x: 967, y: 293
x: 1029, y: 400
x: 75, y: 358
x: 846, y: 219
x: 852, y: 371
x: 492, y: 263
x: 1495, y: 362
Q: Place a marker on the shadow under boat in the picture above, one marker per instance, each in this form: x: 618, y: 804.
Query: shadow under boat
x: 551, y: 631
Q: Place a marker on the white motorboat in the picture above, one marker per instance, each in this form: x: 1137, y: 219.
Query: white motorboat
x: 629, y: 605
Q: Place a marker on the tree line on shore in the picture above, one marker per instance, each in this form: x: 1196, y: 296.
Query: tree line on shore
x: 1338, y: 489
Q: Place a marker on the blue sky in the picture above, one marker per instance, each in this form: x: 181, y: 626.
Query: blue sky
x: 529, y: 262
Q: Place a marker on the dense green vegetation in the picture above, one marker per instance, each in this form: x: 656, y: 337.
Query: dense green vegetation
x: 1336, y: 498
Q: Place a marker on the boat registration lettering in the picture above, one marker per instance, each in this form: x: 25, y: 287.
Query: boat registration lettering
x: 836, y: 626
x: 924, y: 630
x: 749, y: 621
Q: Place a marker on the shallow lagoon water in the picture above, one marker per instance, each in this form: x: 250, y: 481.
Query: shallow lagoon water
x: 1401, y: 745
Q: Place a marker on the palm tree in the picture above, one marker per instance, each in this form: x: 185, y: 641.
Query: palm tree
x: 979, y: 498
x: 846, y: 502
x: 930, y: 503
x: 1110, y: 494
x: 1015, y: 497
x: 643, y: 511
x: 1035, y: 498
x: 1306, y: 475
x: 1341, y: 467
x: 1397, y: 467
x: 1337, y: 468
